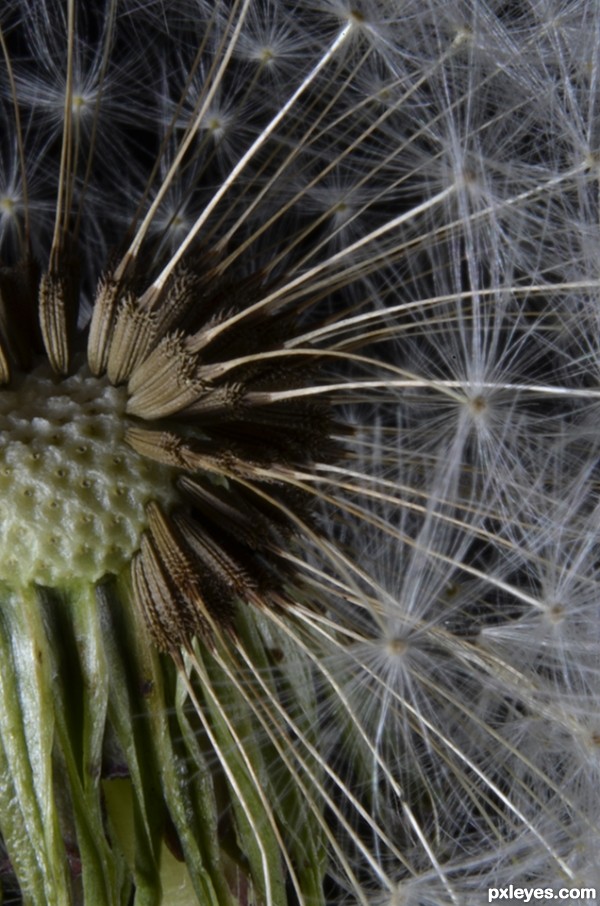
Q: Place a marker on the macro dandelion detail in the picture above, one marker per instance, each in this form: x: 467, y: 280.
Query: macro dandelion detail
x: 298, y: 451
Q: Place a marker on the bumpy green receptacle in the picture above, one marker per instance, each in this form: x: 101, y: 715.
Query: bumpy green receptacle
x: 72, y: 492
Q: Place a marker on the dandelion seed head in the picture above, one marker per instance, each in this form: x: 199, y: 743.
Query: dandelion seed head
x: 477, y: 406
x: 377, y: 670
x: 396, y: 647
x: 81, y: 104
x: 11, y: 214
x: 217, y: 124
x: 8, y: 205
